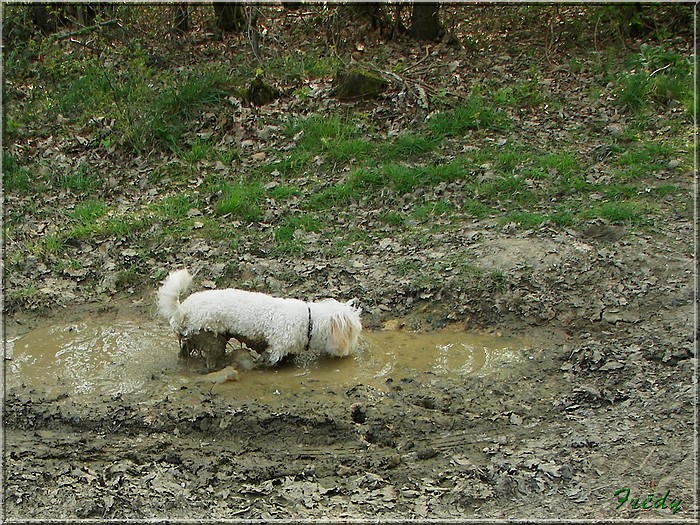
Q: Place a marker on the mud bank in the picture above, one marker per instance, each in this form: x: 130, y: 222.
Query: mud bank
x: 417, y: 446
x: 556, y: 430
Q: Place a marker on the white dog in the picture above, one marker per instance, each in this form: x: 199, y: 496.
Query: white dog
x: 270, y: 326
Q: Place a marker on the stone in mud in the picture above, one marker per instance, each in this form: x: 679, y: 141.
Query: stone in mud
x: 358, y: 414
x: 604, y: 233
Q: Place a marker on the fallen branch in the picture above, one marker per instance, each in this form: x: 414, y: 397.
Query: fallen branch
x: 660, y: 69
x: 87, y: 29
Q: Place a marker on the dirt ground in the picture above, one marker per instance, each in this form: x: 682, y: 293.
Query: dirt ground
x: 596, y: 421
x: 603, y: 402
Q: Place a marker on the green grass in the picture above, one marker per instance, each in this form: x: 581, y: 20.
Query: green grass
x: 563, y: 217
x: 332, y: 136
x: 150, y: 108
x: 531, y: 186
x: 409, y: 145
x: 395, y: 178
x: 523, y: 93
x: 175, y: 207
x: 80, y: 181
x: 475, y: 114
x: 655, y: 75
x: 306, y: 222
x: 297, y: 65
x: 283, y: 192
x: 285, y: 241
x: 344, y: 139
x: 178, y: 105
x: 645, y: 153
x: 616, y: 192
x: 336, y: 195
x: 123, y: 227
x: 320, y: 132
x: 342, y: 150
x: 393, y: 218
x: 53, y: 244
x: 665, y: 190
x: 508, y: 159
x: 16, y: 179
x: 242, y: 200
x: 90, y: 87
x: 88, y: 211
x: 434, y: 174
x: 285, y: 233
x: 94, y: 222
x: 650, y: 152
x: 562, y: 163
x: 642, y: 159
x: 227, y: 156
x: 475, y: 208
x: 506, y: 188
x: 26, y: 293
x: 525, y: 220
x: 199, y: 150
x: 433, y: 210
x: 633, y: 91
x: 292, y: 164
x: 624, y: 212
x: 387, y: 183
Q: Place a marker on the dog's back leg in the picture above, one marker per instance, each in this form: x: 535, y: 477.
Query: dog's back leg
x: 215, y: 350
x: 185, y: 350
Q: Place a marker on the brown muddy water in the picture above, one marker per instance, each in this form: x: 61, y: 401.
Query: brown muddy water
x: 113, y: 357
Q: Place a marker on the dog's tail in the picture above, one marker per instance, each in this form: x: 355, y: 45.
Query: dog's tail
x: 177, y: 284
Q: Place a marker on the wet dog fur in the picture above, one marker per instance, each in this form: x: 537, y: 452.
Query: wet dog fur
x: 271, y: 327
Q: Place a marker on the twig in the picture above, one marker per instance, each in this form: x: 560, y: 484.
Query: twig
x: 84, y: 44
x: 252, y: 33
x: 660, y: 69
x: 595, y: 33
x: 420, y: 61
x: 550, y: 38
x: 87, y: 29
x: 124, y: 112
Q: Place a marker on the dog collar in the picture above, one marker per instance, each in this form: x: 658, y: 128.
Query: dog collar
x: 308, y: 333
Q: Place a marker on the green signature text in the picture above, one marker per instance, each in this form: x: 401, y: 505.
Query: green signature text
x: 651, y: 501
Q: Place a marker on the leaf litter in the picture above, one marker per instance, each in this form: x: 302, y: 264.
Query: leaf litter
x: 603, y: 400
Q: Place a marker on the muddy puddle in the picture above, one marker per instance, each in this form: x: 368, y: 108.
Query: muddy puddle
x: 115, y: 357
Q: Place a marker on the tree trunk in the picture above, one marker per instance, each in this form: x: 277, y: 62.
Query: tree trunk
x: 425, y: 23
x: 230, y: 16
x: 181, y: 22
x: 85, y: 14
x: 44, y: 20
x: 632, y: 16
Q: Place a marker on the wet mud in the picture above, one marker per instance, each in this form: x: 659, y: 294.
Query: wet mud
x: 103, y: 421
x: 588, y: 392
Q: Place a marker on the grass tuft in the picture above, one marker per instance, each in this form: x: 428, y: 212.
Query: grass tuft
x: 408, y: 146
x: 475, y: 114
x: 624, y: 212
x: 243, y: 200
x: 655, y: 75
x: 14, y: 177
x: 175, y: 207
x: 88, y: 211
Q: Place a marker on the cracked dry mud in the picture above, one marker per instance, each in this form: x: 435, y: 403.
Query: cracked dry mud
x: 595, y: 397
